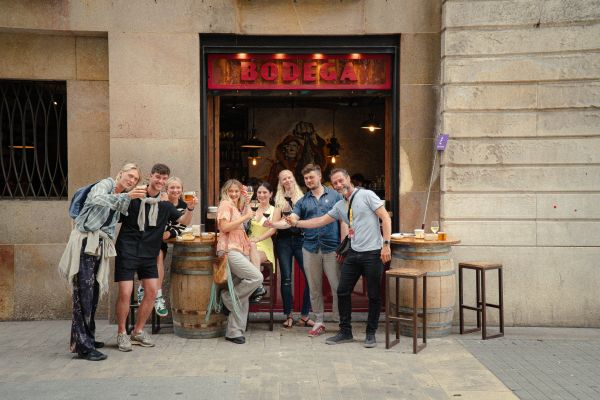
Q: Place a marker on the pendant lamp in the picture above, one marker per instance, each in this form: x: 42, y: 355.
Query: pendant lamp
x: 253, y: 142
x: 333, y: 145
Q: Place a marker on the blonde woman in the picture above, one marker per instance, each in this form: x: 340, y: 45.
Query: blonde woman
x: 85, y: 260
x: 232, y: 213
x: 289, y: 246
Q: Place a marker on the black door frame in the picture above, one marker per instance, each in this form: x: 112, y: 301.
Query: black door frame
x: 390, y: 44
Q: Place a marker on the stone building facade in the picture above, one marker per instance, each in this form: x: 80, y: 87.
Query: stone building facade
x: 516, y: 85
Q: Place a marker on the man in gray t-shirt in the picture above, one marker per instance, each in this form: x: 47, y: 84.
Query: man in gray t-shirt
x: 368, y: 250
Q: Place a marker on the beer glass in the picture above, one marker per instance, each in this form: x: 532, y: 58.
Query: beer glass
x: 188, y: 196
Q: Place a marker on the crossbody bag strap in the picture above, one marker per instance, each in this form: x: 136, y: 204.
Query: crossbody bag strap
x: 350, y: 206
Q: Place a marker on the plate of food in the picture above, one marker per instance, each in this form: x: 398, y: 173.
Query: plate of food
x: 188, y: 236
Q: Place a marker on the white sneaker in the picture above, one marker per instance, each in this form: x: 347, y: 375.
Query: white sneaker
x: 123, y: 342
x: 142, y: 339
x: 140, y: 294
x: 159, y: 307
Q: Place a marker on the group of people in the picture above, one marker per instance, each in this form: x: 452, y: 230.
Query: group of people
x: 309, y: 228
x: 147, y: 216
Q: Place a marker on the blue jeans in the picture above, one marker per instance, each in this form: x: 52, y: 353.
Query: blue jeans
x: 289, y: 247
x: 369, y: 265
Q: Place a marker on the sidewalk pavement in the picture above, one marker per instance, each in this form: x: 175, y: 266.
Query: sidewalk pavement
x: 284, y: 363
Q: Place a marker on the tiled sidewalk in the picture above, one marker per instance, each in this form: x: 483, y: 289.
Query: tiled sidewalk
x: 543, y: 363
x: 284, y: 364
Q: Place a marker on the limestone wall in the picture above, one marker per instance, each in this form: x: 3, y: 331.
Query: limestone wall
x: 133, y: 73
x: 33, y: 233
x: 521, y: 177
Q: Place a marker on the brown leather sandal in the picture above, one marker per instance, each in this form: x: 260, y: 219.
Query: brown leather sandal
x: 289, y: 322
x: 306, y: 322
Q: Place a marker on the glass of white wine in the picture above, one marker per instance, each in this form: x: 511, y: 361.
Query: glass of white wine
x: 435, y: 226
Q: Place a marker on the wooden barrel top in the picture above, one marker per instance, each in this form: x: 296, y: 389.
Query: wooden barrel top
x: 196, y: 241
x: 411, y: 241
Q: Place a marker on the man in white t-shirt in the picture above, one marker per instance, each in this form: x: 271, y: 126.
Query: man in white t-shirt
x: 368, y: 251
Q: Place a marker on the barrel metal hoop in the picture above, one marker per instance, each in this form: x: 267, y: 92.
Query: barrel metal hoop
x: 190, y: 271
x: 191, y: 258
x: 420, y: 257
x: 419, y: 249
x: 187, y: 312
x: 209, y: 325
x: 439, y: 310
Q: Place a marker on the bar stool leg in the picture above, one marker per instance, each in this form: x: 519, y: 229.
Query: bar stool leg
x: 387, y: 312
x: 501, y: 300
x: 483, y: 308
x: 460, y: 300
x: 414, y: 321
x: 424, y: 308
x: 478, y: 296
x: 397, y: 324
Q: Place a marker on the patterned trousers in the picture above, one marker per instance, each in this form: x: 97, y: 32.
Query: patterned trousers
x: 85, y: 300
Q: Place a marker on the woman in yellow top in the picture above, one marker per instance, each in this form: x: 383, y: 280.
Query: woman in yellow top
x: 260, y: 236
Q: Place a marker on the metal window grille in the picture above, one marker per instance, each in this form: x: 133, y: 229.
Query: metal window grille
x: 33, y: 139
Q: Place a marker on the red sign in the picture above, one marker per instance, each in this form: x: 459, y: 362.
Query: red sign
x: 299, y: 71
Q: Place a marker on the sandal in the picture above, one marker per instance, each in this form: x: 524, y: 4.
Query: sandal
x: 289, y: 322
x: 306, y: 322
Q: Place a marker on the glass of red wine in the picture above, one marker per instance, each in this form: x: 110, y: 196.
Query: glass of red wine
x: 254, y: 205
x: 287, y: 209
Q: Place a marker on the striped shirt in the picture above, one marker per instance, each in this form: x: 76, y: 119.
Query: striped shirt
x: 100, y: 201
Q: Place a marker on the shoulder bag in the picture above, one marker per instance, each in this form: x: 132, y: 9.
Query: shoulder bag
x: 344, y: 246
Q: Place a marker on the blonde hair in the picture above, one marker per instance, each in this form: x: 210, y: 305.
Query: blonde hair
x: 174, y: 179
x: 225, y: 196
x: 128, y: 167
x: 280, y: 195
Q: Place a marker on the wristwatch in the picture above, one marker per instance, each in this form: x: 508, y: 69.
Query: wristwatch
x: 386, y: 242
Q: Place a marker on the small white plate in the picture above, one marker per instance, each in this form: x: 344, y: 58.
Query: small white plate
x: 396, y: 236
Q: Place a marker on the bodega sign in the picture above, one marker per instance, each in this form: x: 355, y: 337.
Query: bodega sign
x: 242, y: 71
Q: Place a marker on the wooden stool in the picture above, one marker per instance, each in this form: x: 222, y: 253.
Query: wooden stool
x: 269, y: 284
x: 130, y: 323
x: 414, y: 275
x: 482, y: 305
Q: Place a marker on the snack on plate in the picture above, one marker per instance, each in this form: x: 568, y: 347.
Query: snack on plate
x: 187, y: 236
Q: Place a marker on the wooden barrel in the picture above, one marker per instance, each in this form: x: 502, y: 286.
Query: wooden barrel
x: 435, y: 259
x: 191, y: 280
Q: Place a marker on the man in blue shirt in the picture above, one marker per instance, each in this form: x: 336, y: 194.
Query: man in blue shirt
x: 319, y: 245
x: 369, y: 250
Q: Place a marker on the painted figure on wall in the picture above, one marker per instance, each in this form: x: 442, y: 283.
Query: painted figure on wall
x: 304, y: 146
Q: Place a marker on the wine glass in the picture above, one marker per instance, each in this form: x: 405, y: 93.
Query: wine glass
x: 435, y: 226
x: 287, y: 209
x: 254, y: 205
x: 249, y: 191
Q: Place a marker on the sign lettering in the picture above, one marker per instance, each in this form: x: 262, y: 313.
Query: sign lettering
x: 299, y: 71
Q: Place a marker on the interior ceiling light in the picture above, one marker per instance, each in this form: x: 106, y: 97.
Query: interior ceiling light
x: 371, y: 124
x: 333, y: 145
x: 253, y: 142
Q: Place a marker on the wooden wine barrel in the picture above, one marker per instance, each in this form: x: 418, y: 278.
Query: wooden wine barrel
x: 191, y: 280
x: 433, y: 257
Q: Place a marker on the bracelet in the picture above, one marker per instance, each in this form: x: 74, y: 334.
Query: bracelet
x: 190, y: 209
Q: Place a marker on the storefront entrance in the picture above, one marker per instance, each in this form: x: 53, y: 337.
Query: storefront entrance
x: 317, y: 104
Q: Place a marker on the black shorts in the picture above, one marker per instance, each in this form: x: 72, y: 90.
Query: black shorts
x: 126, y: 268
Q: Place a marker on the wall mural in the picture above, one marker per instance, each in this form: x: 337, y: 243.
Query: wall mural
x: 302, y: 147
